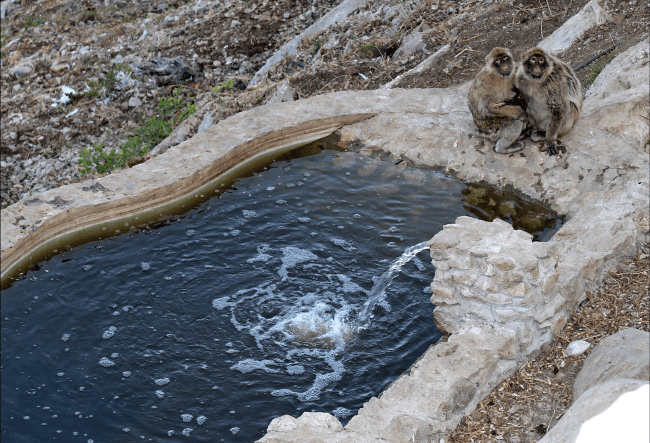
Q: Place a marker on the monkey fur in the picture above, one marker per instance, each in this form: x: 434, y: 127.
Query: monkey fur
x: 552, y: 93
x: 493, y: 85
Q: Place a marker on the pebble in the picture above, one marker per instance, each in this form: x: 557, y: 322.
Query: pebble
x: 577, y: 347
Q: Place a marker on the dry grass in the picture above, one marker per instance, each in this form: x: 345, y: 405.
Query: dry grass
x: 523, y: 407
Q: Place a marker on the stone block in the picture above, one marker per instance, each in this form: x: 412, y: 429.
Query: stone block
x: 441, y: 265
x: 485, y: 268
x: 502, y: 263
x: 485, y: 284
x: 625, y: 354
x: 465, y: 278
x: 549, y: 282
x: 442, y: 290
x: 550, y: 309
x: 443, y: 240
x: 519, y: 290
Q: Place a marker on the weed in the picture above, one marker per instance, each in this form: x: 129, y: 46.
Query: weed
x: 596, y: 69
x: 108, y: 82
x: 369, y: 49
x: 223, y: 86
x: 316, y: 45
x: 32, y: 22
x: 88, y: 15
x: 172, y: 111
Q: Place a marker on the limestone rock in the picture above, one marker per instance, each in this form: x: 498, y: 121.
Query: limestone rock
x: 589, y: 405
x: 625, y: 354
x: 592, y: 14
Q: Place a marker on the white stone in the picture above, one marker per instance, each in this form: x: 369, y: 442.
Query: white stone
x: 577, y: 347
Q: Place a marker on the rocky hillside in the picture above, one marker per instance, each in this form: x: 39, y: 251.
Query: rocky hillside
x: 91, y: 86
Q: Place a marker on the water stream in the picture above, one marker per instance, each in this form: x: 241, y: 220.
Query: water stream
x: 298, y: 289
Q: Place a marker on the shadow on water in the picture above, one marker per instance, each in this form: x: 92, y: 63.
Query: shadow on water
x: 245, y: 308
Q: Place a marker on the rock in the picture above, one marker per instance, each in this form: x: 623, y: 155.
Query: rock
x: 59, y: 68
x: 169, y: 70
x: 410, y: 45
x: 235, y: 23
x: 592, y: 14
x: 21, y: 71
x: 593, y: 403
x: 207, y: 122
x: 134, y: 102
x: 577, y: 347
x: 284, y: 93
x: 622, y: 355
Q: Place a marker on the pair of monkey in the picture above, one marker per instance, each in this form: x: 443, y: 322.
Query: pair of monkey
x: 542, y: 91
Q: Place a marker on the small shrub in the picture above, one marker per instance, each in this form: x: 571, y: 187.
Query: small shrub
x: 172, y: 111
x: 223, y: 86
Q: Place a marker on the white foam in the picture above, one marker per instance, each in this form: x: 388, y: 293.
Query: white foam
x: 235, y: 232
x: 109, y: 332
x: 187, y: 417
x: 249, y: 214
x: 342, y: 244
x: 190, y: 233
x: 304, y: 219
x: 235, y: 430
x: 201, y: 419
x: 106, y: 363
x: 160, y: 394
x: 349, y: 287
x: 86, y: 268
x: 187, y: 432
x: 161, y: 381
x: 221, y: 303
x: 126, y: 374
x: 293, y: 256
x: 341, y: 413
x: 145, y: 266
x: 65, y: 337
x: 295, y: 369
x: 250, y: 365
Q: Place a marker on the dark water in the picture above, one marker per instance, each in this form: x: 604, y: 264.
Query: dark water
x: 240, y: 311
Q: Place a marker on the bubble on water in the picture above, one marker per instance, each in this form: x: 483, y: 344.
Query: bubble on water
x: 115, y: 355
x: 161, y: 381
x: 65, y: 337
x: 221, y: 303
x: 357, y: 216
x: 187, y: 432
x: 126, y: 374
x: 293, y: 256
x: 235, y: 232
x: 235, y: 430
x: 125, y: 430
x: 295, y: 369
x: 261, y: 254
x: 82, y: 388
x: 187, y: 417
x: 392, y: 245
x: 31, y: 392
x: 160, y: 394
x: 190, y: 233
x: 281, y: 202
x: 109, y: 332
x: 291, y: 185
x: 201, y: 419
x: 341, y: 413
x: 342, y: 244
x: 106, y: 363
x: 270, y: 188
x: 304, y: 219
x: 393, y: 229
x: 249, y: 214
x: 170, y: 433
x: 145, y: 266
x: 250, y: 365
x: 61, y: 374
x: 26, y: 417
x: 86, y: 268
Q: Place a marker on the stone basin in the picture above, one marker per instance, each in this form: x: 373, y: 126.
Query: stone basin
x: 500, y: 296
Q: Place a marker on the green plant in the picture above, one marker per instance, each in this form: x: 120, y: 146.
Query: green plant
x: 171, y: 112
x: 223, y: 86
x: 109, y: 81
x: 369, y: 49
x: 32, y: 22
x: 596, y: 69
x: 88, y: 15
x: 316, y: 45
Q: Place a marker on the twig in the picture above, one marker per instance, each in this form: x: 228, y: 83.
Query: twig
x: 454, y: 64
x: 595, y: 57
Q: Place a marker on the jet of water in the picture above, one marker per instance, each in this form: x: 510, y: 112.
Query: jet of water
x: 378, y: 291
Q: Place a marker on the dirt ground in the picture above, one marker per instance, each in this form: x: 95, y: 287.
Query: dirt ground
x: 526, y: 405
x: 78, y: 43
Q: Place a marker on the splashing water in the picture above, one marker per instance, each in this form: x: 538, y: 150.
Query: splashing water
x: 378, y: 291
